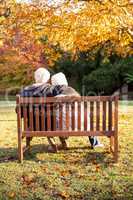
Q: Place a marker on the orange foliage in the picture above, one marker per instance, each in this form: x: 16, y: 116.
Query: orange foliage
x: 75, y: 25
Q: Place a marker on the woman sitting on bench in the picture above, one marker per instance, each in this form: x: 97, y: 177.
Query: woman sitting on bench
x: 60, y: 79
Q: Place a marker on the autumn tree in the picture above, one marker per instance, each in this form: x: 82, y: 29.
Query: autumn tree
x: 38, y: 32
x: 23, y: 46
x: 74, y: 25
x: 82, y: 27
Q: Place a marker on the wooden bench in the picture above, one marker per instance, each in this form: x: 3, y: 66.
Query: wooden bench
x: 100, y: 112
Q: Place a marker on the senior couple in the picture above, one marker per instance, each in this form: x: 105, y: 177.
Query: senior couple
x: 57, y: 85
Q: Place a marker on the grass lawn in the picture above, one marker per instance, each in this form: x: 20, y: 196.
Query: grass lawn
x: 78, y: 173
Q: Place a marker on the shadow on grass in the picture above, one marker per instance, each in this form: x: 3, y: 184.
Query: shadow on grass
x: 81, y: 155
x: 8, y: 154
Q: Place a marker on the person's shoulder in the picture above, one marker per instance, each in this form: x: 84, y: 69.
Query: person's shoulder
x: 27, y: 90
x: 58, y: 89
x: 36, y: 86
x: 71, y: 91
x: 29, y: 87
x: 46, y: 85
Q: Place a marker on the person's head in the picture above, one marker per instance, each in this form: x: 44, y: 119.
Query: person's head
x: 59, y: 79
x: 41, y: 75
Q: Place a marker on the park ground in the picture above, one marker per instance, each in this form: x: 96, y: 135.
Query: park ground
x: 76, y: 174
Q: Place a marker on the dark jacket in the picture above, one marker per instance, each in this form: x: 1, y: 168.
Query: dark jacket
x: 41, y: 90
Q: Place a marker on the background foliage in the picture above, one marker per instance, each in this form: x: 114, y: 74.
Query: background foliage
x: 91, y: 41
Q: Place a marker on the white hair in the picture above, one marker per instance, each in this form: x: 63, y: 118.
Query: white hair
x: 59, y: 79
x: 41, y: 75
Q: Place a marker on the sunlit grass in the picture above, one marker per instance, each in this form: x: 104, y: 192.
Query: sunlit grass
x: 79, y: 173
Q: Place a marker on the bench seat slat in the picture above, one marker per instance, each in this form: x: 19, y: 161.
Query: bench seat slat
x: 67, y: 133
x: 54, y: 106
x: 60, y: 116
x: 73, y: 115
x: 104, y: 116
x: 97, y: 115
x: 48, y: 116
x: 25, y: 117
x: 31, y: 116
x: 79, y: 115
x: 110, y: 115
x: 37, y: 127
x: 43, y: 117
x: 65, y: 99
x: 85, y: 116
x: 67, y: 116
x: 91, y: 115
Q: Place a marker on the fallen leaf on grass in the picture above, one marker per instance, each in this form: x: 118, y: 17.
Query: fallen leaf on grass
x: 11, y: 194
x: 45, y: 186
x: 94, y: 178
x: 64, y: 173
x: 97, y: 168
x: 62, y: 194
x: 56, y: 168
x: 24, y: 194
x: 45, y: 169
x: 94, y: 161
x: 72, y: 171
x: 27, y: 179
x: 81, y: 175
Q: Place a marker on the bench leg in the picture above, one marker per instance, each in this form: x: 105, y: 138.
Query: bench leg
x: 28, y: 139
x: 116, y: 148
x: 26, y: 149
x: 116, y: 130
x: 52, y: 143
x: 20, y: 148
x: 111, y: 144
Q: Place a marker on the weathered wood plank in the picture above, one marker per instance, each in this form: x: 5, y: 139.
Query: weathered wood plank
x: 73, y: 115
x: 67, y: 133
x: 41, y: 100
x: 19, y: 128
x: 97, y: 115
x: 85, y: 116
x: 31, y: 122
x: 37, y: 127
x: 48, y: 117
x: 67, y: 116
x: 104, y: 116
x: 91, y: 115
x: 116, y: 130
x: 25, y: 116
x: 79, y: 116
x: 60, y: 116
x: 110, y: 117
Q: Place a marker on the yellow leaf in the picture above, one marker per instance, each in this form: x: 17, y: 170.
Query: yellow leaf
x: 11, y: 194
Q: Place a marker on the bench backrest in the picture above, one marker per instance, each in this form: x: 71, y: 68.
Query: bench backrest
x: 94, y: 114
